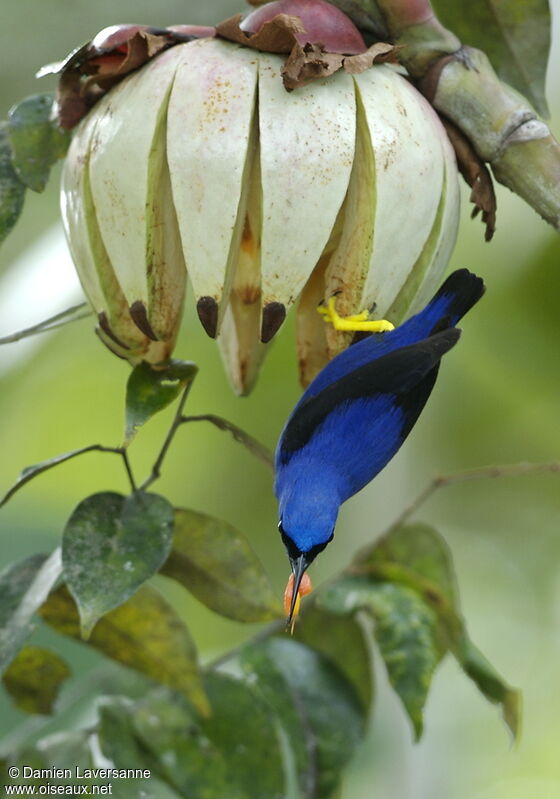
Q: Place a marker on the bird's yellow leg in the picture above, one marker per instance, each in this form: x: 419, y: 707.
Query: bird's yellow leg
x: 356, y: 323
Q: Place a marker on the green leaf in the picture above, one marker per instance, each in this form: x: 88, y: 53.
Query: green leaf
x: 145, y: 634
x: 118, y: 742
x: 243, y: 730
x: 419, y: 549
x: 165, y: 733
x: 490, y: 683
x: 515, y: 36
x: 33, y: 679
x: 148, y: 788
x: 215, y: 562
x: 64, y: 750
x: 346, y: 646
x: 405, y: 631
x: 235, y: 753
x: 151, y: 389
x: 416, y: 556
x: 111, y: 545
x: 12, y: 190
x: 116, y: 734
x: 319, y: 710
x: 36, y: 140
x: 24, y: 587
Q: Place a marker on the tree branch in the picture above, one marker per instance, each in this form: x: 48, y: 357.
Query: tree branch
x: 461, y: 84
x: 480, y: 473
x: 31, y: 472
x: 501, y: 125
x: 53, y: 322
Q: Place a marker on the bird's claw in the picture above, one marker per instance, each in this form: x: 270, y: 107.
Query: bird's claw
x: 356, y: 322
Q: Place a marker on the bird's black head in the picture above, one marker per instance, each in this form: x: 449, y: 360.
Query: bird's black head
x: 300, y: 560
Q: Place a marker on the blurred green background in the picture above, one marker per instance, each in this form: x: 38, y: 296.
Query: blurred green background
x: 497, y: 401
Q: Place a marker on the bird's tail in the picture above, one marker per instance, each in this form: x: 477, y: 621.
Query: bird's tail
x: 455, y: 297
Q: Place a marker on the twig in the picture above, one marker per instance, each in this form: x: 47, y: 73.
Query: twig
x: 255, y: 447
x: 53, y: 322
x: 481, y: 473
x: 128, y: 468
x: 175, y: 424
x: 33, y: 471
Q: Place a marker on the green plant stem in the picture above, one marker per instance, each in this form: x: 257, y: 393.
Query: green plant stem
x: 480, y: 473
x: 53, y: 322
x: 33, y: 471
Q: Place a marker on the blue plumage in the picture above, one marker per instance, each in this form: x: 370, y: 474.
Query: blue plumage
x: 355, y: 415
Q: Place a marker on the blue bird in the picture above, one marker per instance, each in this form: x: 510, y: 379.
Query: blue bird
x: 354, y: 416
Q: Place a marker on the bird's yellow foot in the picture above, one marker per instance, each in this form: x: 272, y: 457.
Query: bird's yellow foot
x: 355, y: 323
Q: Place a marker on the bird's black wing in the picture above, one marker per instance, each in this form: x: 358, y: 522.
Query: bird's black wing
x: 409, y: 368
x: 462, y: 290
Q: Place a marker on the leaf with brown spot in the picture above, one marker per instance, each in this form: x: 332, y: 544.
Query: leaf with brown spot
x: 276, y: 36
x: 33, y: 679
x: 145, y: 634
x: 216, y: 563
x: 477, y: 175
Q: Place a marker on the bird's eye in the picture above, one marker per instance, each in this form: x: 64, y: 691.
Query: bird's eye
x: 280, y: 527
